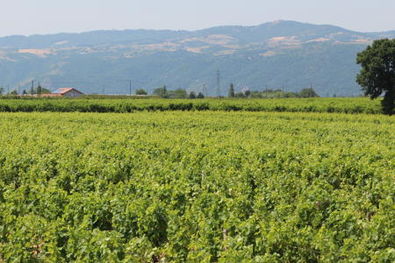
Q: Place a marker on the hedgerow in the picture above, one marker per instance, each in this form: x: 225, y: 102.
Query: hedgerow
x: 122, y: 105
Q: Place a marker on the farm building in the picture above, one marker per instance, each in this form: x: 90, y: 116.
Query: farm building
x: 67, y: 92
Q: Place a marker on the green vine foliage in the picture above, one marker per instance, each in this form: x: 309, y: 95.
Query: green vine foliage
x: 125, y: 105
x: 206, y: 186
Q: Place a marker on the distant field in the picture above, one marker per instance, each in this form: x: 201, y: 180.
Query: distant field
x: 339, y: 105
x: 197, y: 186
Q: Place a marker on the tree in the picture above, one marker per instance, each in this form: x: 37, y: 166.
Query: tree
x: 45, y: 91
x: 141, y: 92
x: 39, y: 89
x: 247, y: 93
x: 192, y: 95
x: 161, y: 92
x: 377, y: 75
x: 1, y: 90
x: 239, y: 95
x: 231, y: 91
x: 308, y: 93
x: 177, y: 94
x: 200, y: 95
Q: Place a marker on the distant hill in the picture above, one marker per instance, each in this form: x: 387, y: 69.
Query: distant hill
x: 278, y: 55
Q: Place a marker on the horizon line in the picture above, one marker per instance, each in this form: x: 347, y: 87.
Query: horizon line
x: 184, y: 30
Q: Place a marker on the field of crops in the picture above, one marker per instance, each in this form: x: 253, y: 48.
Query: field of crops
x: 122, y: 105
x: 197, y: 186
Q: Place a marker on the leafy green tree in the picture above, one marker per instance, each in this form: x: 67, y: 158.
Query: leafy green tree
x: 308, y: 93
x: 39, y: 89
x: 239, y: 95
x: 377, y: 75
x: 45, y: 91
x: 141, y: 92
x: 161, y: 92
x: 177, y: 94
x: 192, y: 95
x: 1, y: 90
x: 13, y: 92
x: 247, y: 93
x: 200, y: 95
x: 231, y: 91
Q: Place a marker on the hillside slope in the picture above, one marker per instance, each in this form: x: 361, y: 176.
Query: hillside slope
x: 282, y: 54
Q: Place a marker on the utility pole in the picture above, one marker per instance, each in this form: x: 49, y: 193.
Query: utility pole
x: 130, y: 87
x: 218, y: 83
x: 32, y: 88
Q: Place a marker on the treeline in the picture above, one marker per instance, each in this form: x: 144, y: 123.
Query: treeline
x: 163, y: 92
x: 340, y: 105
x: 32, y: 91
x: 270, y: 93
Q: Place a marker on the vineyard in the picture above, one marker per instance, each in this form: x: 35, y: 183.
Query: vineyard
x: 133, y: 104
x: 196, y: 186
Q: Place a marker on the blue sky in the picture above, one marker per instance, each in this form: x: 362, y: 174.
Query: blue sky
x: 52, y: 16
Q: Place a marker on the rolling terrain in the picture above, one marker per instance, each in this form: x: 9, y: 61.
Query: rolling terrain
x: 278, y: 55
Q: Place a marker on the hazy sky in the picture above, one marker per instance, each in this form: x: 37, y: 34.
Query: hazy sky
x: 52, y: 16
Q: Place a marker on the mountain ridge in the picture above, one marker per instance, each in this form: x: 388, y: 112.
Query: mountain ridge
x: 282, y: 54
x: 182, y: 33
x: 202, y: 29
